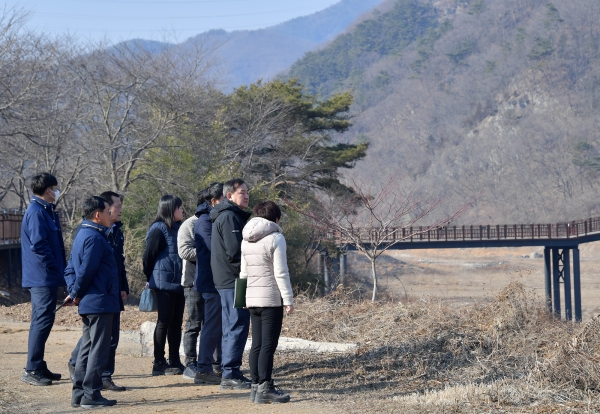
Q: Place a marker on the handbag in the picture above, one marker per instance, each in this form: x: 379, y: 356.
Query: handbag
x: 148, y: 301
x: 239, y: 293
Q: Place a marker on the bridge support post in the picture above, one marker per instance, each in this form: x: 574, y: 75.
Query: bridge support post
x: 576, y: 284
x: 561, y: 273
x: 566, y: 274
x: 548, y: 278
x: 556, y: 258
x: 343, y: 267
x: 325, y: 270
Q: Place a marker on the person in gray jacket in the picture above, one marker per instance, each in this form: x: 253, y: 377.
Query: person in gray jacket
x: 193, y: 300
x: 264, y: 264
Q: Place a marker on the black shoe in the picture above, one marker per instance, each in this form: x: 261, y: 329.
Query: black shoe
x: 35, y: 378
x: 241, y: 383
x: 253, y: 388
x: 51, y: 375
x: 268, y: 393
x: 159, y: 367
x: 206, y: 378
x: 175, y: 368
x: 71, y: 372
x: 108, y: 384
x: 75, y: 401
x: 99, y: 403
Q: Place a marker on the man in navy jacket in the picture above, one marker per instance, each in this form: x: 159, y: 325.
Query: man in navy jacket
x: 93, y: 282
x: 43, y: 262
x: 116, y: 240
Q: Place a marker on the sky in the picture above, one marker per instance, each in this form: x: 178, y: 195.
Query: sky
x: 171, y: 20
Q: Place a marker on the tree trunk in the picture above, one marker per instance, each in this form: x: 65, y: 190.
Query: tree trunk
x: 374, y: 273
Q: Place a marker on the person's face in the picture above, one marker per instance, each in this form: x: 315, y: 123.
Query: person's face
x: 215, y: 201
x: 178, y: 215
x: 103, y: 217
x: 115, y: 210
x: 52, y: 194
x: 240, y: 196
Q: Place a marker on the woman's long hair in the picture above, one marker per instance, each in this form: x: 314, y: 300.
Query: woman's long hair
x: 166, y: 209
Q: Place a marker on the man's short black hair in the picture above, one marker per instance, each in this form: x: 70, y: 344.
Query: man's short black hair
x: 91, y: 205
x: 108, y: 195
x: 232, y: 185
x: 41, y: 182
x: 268, y: 210
x: 214, y: 190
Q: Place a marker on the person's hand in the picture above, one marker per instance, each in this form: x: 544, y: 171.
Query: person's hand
x: 76, y: 301
x: 123, y: 295
x: 289, y: 309
x: 68, y: 301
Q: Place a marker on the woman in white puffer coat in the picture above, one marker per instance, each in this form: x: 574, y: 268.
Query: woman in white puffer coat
x: 269, y: 291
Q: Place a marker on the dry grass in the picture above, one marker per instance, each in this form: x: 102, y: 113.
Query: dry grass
x: 429, y: 355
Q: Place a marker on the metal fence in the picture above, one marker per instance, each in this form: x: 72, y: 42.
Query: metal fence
x: 567, y: 230
x: 10, y: 227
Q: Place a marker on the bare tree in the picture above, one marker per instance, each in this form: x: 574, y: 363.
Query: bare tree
x: 136, y: 99
x: 373, y: 219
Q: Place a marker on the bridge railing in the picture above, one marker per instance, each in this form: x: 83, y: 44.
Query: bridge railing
x: 565, y: 230
x: 10, y: 227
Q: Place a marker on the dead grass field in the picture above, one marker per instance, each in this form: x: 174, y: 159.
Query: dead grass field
x: 468, y: 275
x: 470, y: 335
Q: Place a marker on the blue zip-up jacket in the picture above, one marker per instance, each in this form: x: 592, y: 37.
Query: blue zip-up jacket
x: 167, y: 268
x: 92, y: 272
x: 203, y: 282
x: 115, y: 238
x: 42, y: 246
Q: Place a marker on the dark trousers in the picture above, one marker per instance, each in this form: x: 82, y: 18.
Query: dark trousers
x: 93, y: 354
x: 235, y: 323
x: 195, y: 311
x: 209, y: 357
x: 109, y: 370
x: 168, y: 326
x: 43, y: 304
x: 266, y: 328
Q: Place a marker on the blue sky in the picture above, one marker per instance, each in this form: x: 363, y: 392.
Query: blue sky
x: 173, y: 20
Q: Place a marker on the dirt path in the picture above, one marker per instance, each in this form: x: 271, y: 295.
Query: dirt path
x: 145, y: 394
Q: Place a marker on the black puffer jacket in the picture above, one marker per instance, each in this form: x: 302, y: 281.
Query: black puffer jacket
x: 226, y: 244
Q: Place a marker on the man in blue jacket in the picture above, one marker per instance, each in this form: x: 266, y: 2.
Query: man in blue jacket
x: 93, y: 282
x: 43, y: 262
x: 116, y: 240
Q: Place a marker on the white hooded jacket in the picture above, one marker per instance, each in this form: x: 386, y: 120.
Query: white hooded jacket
x: 264, y: 264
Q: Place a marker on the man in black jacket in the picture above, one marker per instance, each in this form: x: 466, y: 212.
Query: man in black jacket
x: 116, y: 240
x: 229, y: 219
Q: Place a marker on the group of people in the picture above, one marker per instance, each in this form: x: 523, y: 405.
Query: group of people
x: 189, y: 264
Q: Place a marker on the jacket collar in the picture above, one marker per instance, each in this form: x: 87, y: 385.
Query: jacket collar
x: 231, y: 206
x: 95, y: 226
x: 114, y: 228
x: 203, y: 208
x: 43, y: 203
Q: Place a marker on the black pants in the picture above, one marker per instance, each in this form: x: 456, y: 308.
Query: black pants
x: 266, y: 328
x: 195, y: 311
x: 93, y: 355
x: 109, y: 370
x: 168, y: 325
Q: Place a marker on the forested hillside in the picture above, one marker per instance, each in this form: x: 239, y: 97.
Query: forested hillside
x: 491, y: 101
